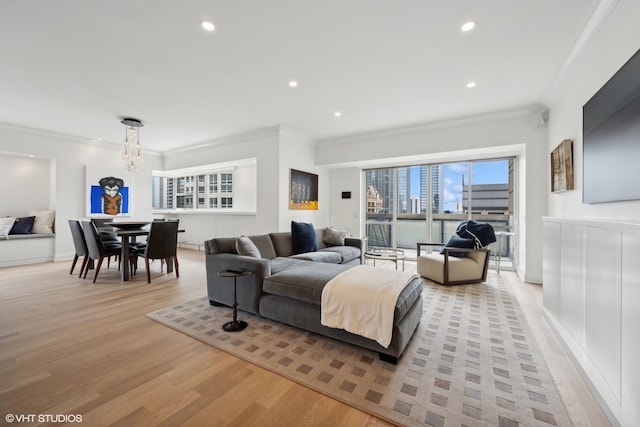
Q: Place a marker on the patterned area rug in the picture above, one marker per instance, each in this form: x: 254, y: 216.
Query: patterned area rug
x: 472, y: 361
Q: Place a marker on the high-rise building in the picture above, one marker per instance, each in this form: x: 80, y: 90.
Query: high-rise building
x: 415, y: 205
x: 437, y: 189
x: 382, y: 181
x: 404, y: 190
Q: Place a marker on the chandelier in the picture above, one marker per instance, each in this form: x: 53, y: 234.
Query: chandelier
x: 131, y: 149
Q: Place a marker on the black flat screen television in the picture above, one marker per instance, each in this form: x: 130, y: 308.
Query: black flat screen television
x: 611, y: 138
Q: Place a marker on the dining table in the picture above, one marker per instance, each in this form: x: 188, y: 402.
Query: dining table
x: 127, y: 235
x: 128, y: 231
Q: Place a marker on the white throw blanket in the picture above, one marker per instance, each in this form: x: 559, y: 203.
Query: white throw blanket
x: 362, y: 300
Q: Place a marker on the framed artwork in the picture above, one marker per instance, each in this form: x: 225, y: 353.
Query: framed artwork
x: 107, y: 194
x: 562, y: 167
x: 303, y: 190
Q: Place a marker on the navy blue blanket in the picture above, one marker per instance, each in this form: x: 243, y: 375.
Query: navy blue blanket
x: 481, y: 232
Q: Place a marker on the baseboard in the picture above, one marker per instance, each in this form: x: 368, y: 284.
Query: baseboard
x: 588, y: 371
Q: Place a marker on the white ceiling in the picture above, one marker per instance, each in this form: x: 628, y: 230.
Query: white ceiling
x: 77, y: 66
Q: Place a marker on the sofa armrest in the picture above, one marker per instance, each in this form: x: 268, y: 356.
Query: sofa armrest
x: 249, y: 288
x: 359, y: 243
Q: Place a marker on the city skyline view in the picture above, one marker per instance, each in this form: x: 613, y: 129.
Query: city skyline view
x: 483, y: 172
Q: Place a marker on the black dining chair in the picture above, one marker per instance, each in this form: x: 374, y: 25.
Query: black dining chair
x: 80, y: 244
x: 107, y: 237
x: 162, y: 244
x: 98, y: 250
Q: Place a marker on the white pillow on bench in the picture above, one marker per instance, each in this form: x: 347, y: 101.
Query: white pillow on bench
x: 6, y: 224
x: 43, y: 223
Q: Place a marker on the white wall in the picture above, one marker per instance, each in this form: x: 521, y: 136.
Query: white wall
x: 263, y: 145
x: 296, y: 152
x: 509, y: 134
x: 617, y: 40
x: 25, y: 184
x: 68, y: 157
x: 347, y: 212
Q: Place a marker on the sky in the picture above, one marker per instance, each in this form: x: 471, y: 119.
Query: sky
x: 483, y: 172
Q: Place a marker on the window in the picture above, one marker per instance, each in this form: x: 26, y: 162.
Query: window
x: 217, y: 187
x: 425, y: 203
x: 213, y: 183
x: 226, y: 183
x: 212, y: 190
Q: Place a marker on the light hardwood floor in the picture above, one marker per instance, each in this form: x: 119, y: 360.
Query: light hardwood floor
x: 72, y: 347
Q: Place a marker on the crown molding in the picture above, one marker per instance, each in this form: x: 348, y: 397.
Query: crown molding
x: 227, y: 140
x: 523, y: 112
x: 71, y: 138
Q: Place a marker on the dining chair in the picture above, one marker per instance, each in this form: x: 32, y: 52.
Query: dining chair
x: 98, y: 250
x: 80, y: 244
x: 162, y: 244
x: 106, y: 236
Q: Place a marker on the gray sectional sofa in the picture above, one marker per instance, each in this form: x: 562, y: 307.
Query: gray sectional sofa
x: 287, y: 287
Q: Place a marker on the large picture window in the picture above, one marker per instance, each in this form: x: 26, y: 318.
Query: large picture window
x: 425, y: 203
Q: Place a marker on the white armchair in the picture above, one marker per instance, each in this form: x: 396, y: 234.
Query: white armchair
x: 451, y: 270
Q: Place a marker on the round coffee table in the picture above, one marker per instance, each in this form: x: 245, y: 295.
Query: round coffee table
x: 235, y: 324
x: 385, y: 254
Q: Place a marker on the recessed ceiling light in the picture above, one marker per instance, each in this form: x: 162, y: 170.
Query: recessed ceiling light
x: 468, y: 26
x: 208, y: 25
x: 293, y: 83
x: 471, y: 84
x: 337, y: 114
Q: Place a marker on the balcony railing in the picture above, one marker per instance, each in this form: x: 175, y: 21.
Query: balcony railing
x: 412, y: 228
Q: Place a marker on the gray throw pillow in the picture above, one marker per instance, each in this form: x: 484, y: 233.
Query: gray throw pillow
x: 333, y: 237
x: 244, y: 246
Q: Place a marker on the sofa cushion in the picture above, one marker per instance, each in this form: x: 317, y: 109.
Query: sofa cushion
x: 23, y: 225
x: 347, y: 253
x: 303, y: 237
x: 263, y: 242
x: 244, y: 246
x: 43, y: 222
x: 333, y: 237
x: 282, y: 263
x: 322, y: 255
x: 282, y: 243
x: 304, y: 282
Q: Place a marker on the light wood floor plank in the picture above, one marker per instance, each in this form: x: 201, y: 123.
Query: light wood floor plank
x: 73, y: 347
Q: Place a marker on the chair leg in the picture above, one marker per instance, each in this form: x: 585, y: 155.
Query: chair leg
x: 85, y: 265
x: 73, y: 264
x: 146, y: 264
x: 86, y: 270
x: 175, y: 263
x: 95, y: 276
x: 133, y: 264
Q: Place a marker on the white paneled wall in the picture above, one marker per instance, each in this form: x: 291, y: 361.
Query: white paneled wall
x: 591, y: 289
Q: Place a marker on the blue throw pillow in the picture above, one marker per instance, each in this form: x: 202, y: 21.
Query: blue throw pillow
x: 23, y: 225
x: 303, y: 237
x: 459, y: 242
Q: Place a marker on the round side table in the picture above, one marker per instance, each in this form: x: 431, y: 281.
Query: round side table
x: 235, y: 324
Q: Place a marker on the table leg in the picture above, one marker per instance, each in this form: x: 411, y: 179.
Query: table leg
x: 124, y: 261
x: 235, y: 325
x: 499, y: 254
